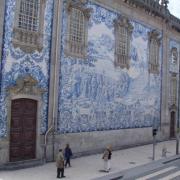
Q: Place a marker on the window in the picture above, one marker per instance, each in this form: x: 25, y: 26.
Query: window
x: 173, y: 90
x: 28, y: 15
x: 76, y: 42
x: 174, y: 56
x: 76, y: 32
x: 123, y: 32
x: 28, y: 27
x: 154, y: 46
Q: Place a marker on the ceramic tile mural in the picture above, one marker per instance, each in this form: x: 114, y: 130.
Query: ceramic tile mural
x: 16, y: 63
x: 93, y: 94
x: 96, y: 96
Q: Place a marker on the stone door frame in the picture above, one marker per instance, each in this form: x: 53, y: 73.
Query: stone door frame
x: 27, y: 89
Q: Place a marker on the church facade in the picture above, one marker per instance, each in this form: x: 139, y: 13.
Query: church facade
x: 86, y: 72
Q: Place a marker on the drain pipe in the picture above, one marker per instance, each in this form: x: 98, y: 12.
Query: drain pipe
x: 45, y: 142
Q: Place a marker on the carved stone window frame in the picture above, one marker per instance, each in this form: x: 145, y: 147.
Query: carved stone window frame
x: 173, y: 89
x: 122, y: 60
x: 174, y: 52
x: 78, y: 50
x: 154, y: 37
x: 29, y: 41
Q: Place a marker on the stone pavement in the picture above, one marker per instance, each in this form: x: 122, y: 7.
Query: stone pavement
x: 87, y: 168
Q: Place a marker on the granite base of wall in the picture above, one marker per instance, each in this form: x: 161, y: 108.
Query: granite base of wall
x: 4, y: 151
x: 87, y: 143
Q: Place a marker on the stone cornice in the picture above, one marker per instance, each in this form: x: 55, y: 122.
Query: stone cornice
x: 154, y: 8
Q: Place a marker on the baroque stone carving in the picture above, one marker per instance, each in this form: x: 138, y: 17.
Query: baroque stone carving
x: 26, y: 85
x: 165, y: 3
x: 173, y: 107
x: 122, y: 59
x: 27, y: 40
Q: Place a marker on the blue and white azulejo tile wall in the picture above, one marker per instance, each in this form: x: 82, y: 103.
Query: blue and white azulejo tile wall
x: 16, y: 63
x: 96, y: 96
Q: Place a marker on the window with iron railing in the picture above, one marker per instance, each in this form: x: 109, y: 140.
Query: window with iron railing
x: 173, y: 90
x: 28, y: 27
x: 123, y: 32
x: 28, y: 15
x: 77, y: 30
x: 154, y: 48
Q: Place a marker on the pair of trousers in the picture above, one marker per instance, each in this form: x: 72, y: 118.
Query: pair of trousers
x: 60, y: 171
x: 106, y: 165
x: 68, y: 162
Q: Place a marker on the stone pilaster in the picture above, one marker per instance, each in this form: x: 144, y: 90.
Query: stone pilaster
x: 2, y: 11
x: 165, y: 83
x: 55, y: 63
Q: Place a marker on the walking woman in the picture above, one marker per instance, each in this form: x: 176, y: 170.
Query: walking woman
x: 107, y: 158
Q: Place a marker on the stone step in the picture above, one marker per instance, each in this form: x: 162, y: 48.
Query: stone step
x: 21, y: 164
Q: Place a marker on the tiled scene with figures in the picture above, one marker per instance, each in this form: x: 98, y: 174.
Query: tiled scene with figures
x: 94, y: 94
x: 89, y: 73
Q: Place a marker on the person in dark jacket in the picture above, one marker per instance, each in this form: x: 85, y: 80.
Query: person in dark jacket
x: 68, y: 154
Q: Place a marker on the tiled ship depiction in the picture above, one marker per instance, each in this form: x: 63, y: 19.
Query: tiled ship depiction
x: 86, y: 72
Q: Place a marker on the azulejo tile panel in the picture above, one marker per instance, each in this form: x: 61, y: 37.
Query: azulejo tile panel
x: 96, y: 96
x: 16, y: 63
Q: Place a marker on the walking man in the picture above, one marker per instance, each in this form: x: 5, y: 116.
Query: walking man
x: 60, y: 164
x: 68, y: 154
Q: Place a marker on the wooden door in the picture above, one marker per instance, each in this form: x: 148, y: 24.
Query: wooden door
x: 23, y: 129
x: 172, y: 124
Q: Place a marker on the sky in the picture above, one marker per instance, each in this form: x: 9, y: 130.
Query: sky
x: 174, y: 7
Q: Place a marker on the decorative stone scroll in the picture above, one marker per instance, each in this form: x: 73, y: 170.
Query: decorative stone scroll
x: 26, y: 85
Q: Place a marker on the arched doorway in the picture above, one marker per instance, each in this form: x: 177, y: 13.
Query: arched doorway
x: 172, y: 124
x: 23, y: 129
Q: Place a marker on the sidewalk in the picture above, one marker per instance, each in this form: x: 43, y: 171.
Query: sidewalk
x: 87, y: 168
